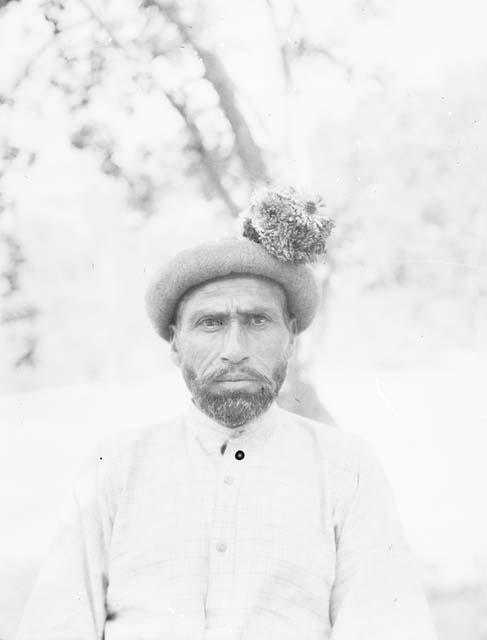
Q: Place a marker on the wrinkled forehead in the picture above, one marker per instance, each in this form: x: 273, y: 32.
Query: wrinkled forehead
x: 224, y: 293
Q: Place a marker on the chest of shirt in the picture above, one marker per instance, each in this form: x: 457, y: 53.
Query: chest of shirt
x: 186, y: 516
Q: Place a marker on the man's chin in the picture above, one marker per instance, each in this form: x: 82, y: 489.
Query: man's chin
x: 234, y: 402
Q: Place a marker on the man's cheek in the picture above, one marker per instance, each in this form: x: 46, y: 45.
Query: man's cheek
x: 265, y: 355
x: 199, y: 357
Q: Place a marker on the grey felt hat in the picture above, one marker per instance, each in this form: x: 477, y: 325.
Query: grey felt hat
x: 282, y: 233
x: 226, y: 257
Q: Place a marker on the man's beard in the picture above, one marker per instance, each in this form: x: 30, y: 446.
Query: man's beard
x: 234, y: 408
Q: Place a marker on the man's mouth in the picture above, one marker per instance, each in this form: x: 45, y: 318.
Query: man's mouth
x: 234, y: 379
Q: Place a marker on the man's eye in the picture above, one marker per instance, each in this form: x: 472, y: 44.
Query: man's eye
x: 211, y: 323
x: 258, y: 321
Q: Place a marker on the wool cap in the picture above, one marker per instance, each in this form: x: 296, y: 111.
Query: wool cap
x: 223, y: 258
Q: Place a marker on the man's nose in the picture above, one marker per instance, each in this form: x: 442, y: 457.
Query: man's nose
x: 234, y: 349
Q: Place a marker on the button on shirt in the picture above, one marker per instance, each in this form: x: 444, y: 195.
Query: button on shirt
x: 168, y: 538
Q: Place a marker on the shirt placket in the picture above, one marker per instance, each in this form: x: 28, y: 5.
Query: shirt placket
x: 222, y: 549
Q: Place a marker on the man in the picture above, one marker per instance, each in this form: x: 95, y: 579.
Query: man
x: 237, y: 519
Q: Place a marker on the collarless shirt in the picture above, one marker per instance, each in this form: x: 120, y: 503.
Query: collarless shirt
x: 211, y: 435
x: 291, y: 533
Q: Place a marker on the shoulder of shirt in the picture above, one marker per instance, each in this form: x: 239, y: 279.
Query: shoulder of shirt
x: 130, y: 439
x: 113, y: 453
x: 343, y: 451
x: 111, y: 462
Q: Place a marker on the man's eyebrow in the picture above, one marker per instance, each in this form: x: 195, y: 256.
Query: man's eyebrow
x: 258, y: 310
x: 199, y: 313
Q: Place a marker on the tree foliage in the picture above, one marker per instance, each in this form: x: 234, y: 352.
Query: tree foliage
x: 154, y: 96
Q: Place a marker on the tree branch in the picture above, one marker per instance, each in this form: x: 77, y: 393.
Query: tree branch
x: 304, y: 47
x: 249, y: 153
x: 206, y: 155
x: 101, y: 24
x: 283, y: 49
x: 193, y: 129
x: 191, y: 126
x: 24, y: 74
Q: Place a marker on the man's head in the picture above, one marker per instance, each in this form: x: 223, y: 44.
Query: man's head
x: 232, y: 338
x: 231, y: 308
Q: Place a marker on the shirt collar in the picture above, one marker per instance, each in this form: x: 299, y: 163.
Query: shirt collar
x: 212, y: 434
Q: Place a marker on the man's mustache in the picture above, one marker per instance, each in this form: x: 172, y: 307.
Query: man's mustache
x: 245, y: 372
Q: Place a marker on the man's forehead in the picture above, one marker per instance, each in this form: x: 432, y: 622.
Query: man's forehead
x: 222, y: 292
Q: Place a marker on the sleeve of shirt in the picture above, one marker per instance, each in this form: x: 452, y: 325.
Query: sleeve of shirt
x: 377, y: 592
x: 68, y: 599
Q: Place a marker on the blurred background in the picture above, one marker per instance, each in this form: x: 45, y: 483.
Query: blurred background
x: 131, y: 130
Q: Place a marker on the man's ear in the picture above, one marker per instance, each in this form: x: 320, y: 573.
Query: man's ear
x: 293, y: 332
x: 173, y: 341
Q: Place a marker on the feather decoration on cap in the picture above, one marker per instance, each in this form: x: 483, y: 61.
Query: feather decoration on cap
x: 288, y: 225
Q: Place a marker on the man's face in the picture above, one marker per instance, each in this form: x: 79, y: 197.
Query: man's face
x: 233, y: 340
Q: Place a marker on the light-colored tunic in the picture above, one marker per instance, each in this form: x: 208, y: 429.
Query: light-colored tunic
x: 294, y: 538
